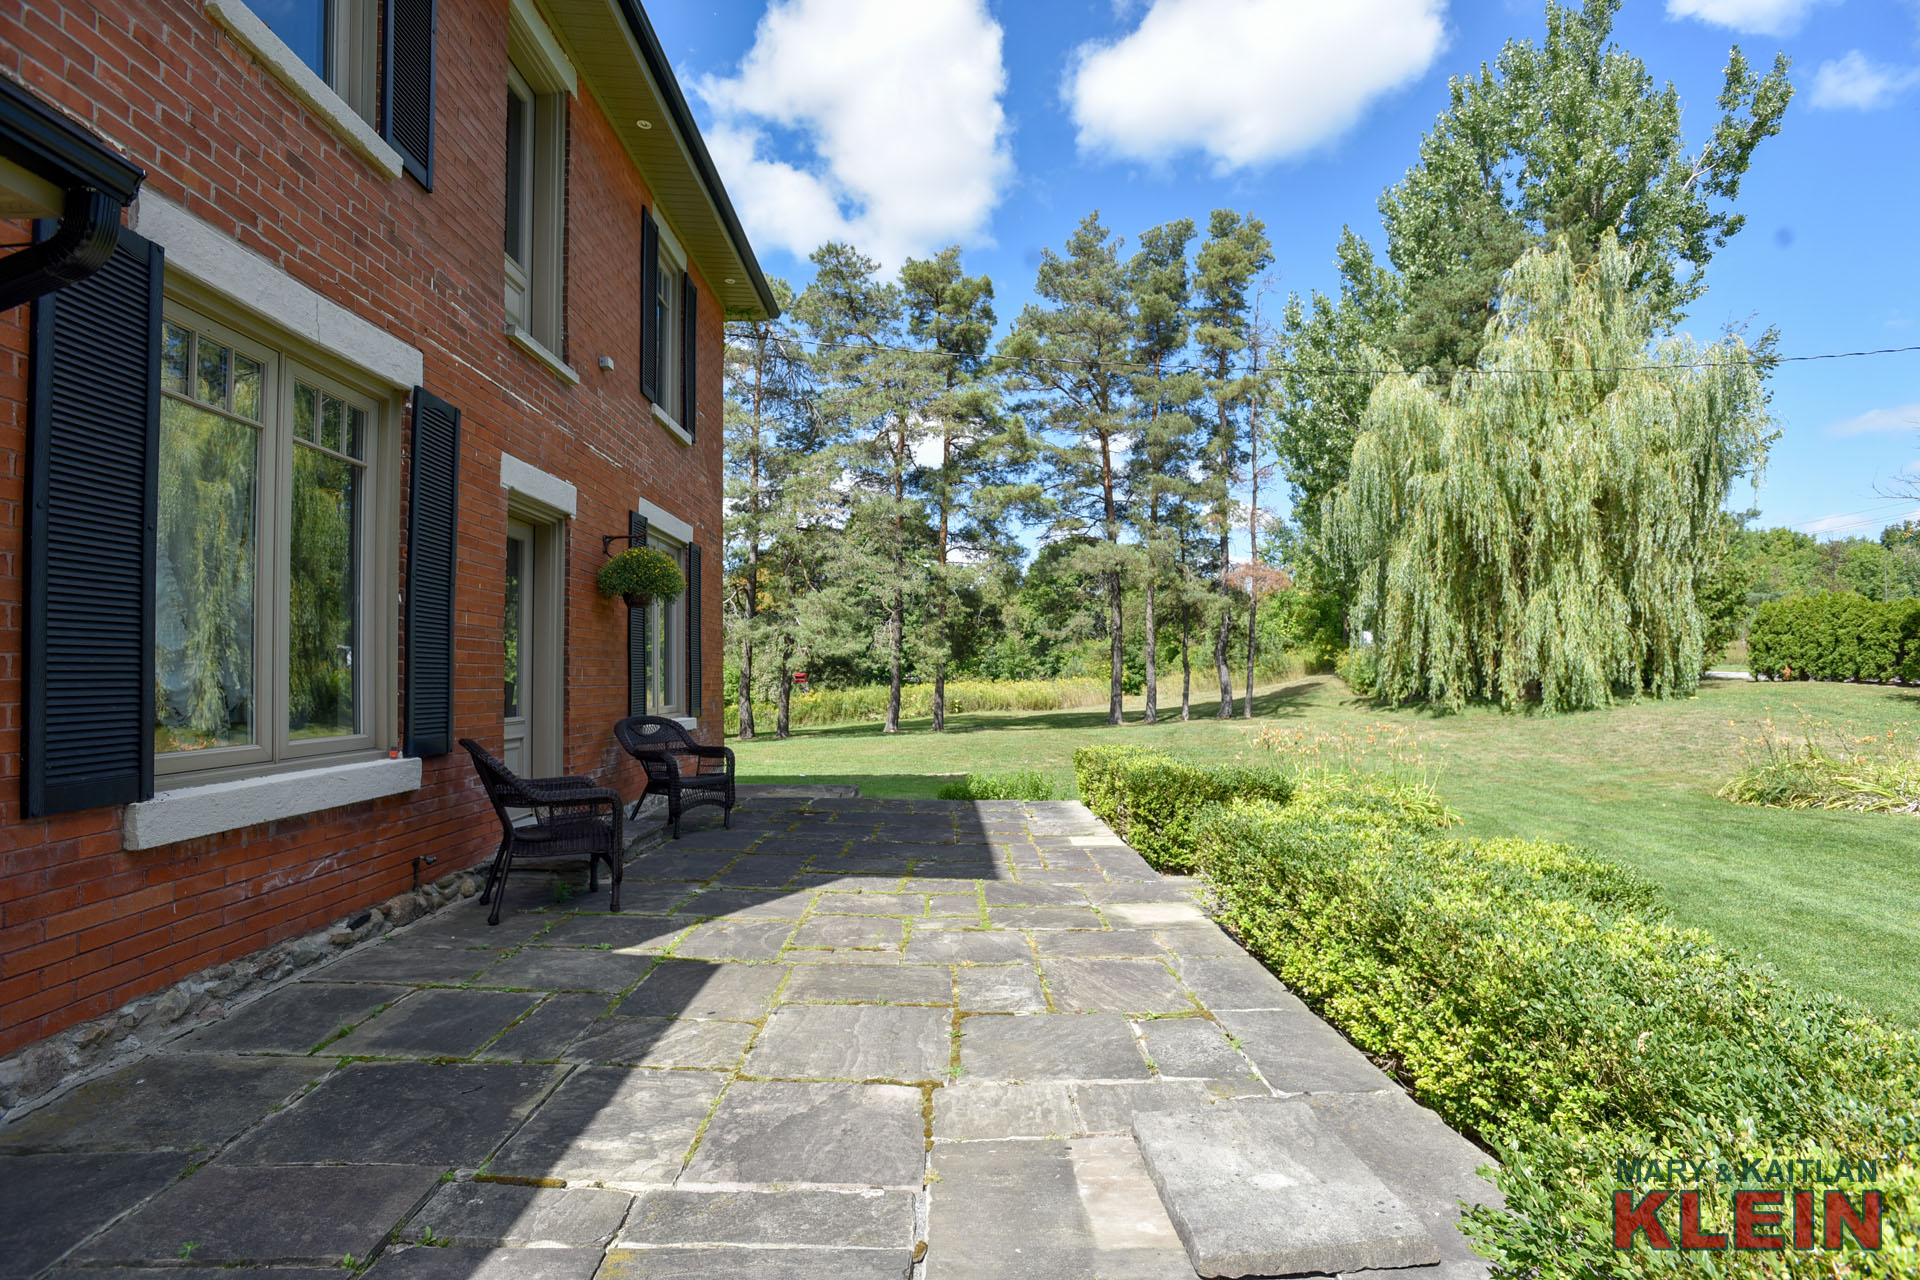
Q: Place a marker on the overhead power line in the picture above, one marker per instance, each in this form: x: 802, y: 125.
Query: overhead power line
x: 1130, y: 366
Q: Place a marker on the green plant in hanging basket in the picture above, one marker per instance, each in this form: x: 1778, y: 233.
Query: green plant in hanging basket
x: 641, y: 575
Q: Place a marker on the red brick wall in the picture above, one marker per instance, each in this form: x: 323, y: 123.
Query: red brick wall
x: 86, y: 925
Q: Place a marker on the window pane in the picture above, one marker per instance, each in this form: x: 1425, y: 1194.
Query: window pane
x: 323, y: 596
x: 212, y: 384
x: 203, y: 641
x: 306, y: 412
x: 332, y: 417
x: 356, y: 432
x: 510, y: 628
x: 246, y: 386
x: 519, y: 112
x: 302, y: 24
x: 176, y: 348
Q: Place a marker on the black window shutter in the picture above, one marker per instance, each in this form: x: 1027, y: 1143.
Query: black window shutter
x: 637, y: 655
x: 93, y: 473
x: 649, y: 307
x: 689, y: 363
x: 693, y: 630
x: 406, y: 85
x: 433, y: 510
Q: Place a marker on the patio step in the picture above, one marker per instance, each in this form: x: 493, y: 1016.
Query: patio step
x: 1261, y: 1188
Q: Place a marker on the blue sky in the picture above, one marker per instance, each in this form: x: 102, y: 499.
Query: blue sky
x: 906, y: 125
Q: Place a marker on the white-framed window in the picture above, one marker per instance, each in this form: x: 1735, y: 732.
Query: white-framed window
x: 667, y: 641
x: 669, y: 328
x: 536, y: 199
x: 339, y: 40
x: 271, y: 582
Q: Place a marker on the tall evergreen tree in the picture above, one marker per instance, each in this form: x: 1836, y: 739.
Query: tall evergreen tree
x: 1236, y: 252
x: 1164, y: 395
x: 1068, y: 359
x: 765, y: 389
x: 873, y: 391
x: 970, y: 481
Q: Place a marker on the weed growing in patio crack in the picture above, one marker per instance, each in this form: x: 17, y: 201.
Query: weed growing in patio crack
x: 186, y: 1249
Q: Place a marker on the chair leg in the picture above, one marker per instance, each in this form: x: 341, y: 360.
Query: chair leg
x: 493, y: 874
x: 615, y: 873
x: 493, y: 917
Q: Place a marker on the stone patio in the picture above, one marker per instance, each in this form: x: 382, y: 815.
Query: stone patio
x: 846, y: 1039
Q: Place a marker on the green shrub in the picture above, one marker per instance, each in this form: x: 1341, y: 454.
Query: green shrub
x: 1021, y: 784
x: 1360, y: 668
x: 1540, y: 1001
x: 1152, y: 800
x: 1836, y: 636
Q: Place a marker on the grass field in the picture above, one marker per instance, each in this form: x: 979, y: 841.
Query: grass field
x: 1831, y: 898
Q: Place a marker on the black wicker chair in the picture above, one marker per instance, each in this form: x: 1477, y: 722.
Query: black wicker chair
x: 655, y: 742
x: 570, y: 816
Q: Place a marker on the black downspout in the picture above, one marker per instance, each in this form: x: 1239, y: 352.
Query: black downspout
x: 84, y: 241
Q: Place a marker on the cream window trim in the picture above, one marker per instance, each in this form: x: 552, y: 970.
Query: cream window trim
x: 537, y: 349
x: 272, y: 53
x: 672, y: 424
x: 238, y: 276
x: 531, y: 41
x: 665, y: 521
x: 535, y: 291
x: 543, y: 488
x: 189, y: 812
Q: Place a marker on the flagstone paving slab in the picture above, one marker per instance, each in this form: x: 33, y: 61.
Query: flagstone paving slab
x: 301, y: 1214
x: 57, y: 1200
x: 813, y: 1218
x: 493, y: 1214
x: 776, y: 1132
x: 174, y: 1102
x: 298, y: 1017
x: 397, y: 1113
x: 762, y: 1048
x: 1049, y: 1046
x: 854, y: 1042
x: 702, y: 989
x: 436, y: 1024
x: 546, y: 1032
x: 616, y: 1126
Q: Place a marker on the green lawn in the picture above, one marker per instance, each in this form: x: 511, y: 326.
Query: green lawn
x: 1831, y: 898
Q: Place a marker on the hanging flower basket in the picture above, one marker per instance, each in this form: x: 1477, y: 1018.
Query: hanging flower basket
x: 641, y: 575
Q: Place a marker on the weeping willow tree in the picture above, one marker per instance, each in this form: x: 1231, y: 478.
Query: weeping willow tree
x: 1538, y: 529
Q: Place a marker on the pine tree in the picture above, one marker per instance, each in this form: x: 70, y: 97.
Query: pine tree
x: 1236, y: 252
x: 1068, y: 359
x: 1164, y: 397
x: 873, y: 393
x: 972, y: 482
x: 1539, y: 530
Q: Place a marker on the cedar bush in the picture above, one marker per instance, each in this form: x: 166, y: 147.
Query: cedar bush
x: 1152, y: 800
x: 1542, y: 1002
x: 1838, y: 635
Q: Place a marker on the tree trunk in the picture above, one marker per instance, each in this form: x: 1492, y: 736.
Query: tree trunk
x: 782, y: 722
x: 940, y: 586
x: 1253, y: 614
x: 745, y: 733
x: 1114, y: 626
x: 1220, y: 656
x: 1186, y: 662
x: 896, y: 644
x: 1153, y: 658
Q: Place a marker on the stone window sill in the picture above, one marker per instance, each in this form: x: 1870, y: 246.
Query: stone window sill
x: 666, y: 420
x: 272, y: 53
x: 532, y: 346
x: 188, y: 812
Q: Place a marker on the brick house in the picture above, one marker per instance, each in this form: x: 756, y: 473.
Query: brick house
x: 335, y: 337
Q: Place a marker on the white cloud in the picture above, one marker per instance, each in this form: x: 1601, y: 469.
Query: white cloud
x: 1904, y: 417
x: 1756, y: 17
x: 1858, y: 83
x: 899, y: 109
x: 1246, y: 81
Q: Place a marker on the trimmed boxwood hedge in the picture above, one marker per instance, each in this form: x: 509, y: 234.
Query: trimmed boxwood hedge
x: 1151, y: 800
x: 1836, y: 636
x: 1541, y: 1001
